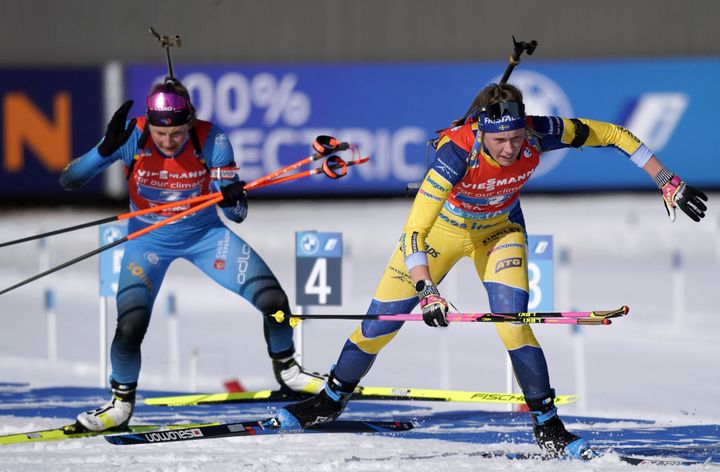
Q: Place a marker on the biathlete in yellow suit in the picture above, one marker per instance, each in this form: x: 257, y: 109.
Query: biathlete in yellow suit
x: 468, y: 206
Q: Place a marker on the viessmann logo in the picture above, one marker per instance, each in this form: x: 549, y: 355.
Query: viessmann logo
x: 491, y: 184
x: 164, y: 174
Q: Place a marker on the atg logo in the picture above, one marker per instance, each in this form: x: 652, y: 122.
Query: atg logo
x: 508, y: 263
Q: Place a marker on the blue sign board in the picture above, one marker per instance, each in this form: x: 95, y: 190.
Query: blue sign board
x: 540, y: 272
x: 271, y: 114
x: 48, y: 117
x: 111, y: 259
x: 318, y: 268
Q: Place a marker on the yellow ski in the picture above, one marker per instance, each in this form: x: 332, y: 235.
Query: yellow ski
x: 361, y: 393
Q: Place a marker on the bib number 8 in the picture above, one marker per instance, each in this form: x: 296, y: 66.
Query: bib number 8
x: 534, y: 277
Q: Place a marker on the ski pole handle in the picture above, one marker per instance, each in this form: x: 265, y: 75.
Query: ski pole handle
x: 519, y: 48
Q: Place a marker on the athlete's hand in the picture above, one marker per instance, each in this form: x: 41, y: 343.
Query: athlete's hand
x: 677, y: 193
x: 233, y: 195
x: 434, y: 307
x: 117, y: 133
x: 434, y: 311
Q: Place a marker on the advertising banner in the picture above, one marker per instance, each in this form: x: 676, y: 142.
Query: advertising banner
x: 49, y: 116
x: 273, y: 112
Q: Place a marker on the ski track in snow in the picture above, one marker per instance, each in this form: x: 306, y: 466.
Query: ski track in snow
x: 647, y: 366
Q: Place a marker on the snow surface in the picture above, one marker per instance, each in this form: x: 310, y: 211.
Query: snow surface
x: 660, y: 363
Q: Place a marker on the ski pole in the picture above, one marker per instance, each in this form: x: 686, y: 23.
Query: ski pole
x: 117, y: 242
x: 211, y: 199
x: 122, y: 216
x: 167, y: 42
x: 261, y: 182
x: 323, y: 145
x: 295, y: 319
x: 519, y: 48
x: 327, y: 170
x: 166, y: 206
x: 574, y: 317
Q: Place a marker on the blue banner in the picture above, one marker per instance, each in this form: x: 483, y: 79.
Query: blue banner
x: 49, y: 117
x: 272, y: 113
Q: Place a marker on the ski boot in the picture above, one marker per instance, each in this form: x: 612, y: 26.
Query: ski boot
x: 293, y: 378
x: 551, y: 435
x: 114, y: 414
x: 324, y: 407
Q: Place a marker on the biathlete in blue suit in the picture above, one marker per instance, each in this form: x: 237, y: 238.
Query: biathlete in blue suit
x: 169, y: 156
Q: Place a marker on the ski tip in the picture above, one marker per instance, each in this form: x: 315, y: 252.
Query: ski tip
x: 566, y: 399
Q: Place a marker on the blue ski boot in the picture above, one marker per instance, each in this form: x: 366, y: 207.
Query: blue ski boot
x: 551, y: 435
x: 324, y: 407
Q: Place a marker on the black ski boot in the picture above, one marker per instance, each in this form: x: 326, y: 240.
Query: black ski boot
x: 324, y: 407
x: 550, y: 432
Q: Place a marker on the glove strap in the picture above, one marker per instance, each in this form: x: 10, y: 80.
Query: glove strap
x: 663, y: 177
x: 670, y: 189
x: 223, y: 173
x: 432, y: 299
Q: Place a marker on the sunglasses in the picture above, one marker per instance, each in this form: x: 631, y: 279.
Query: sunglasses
x: 514, y: 110
x: 163, y: 101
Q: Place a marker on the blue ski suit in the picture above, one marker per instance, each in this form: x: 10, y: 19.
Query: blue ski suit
x: 203, y: 165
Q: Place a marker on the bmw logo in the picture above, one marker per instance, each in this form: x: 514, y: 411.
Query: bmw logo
x: 112, y: 234
x: 310, y: 244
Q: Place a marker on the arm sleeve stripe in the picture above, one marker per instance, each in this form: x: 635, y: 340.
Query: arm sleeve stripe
x: 416, y: 259
x: 582, y: 131
x: 641, y: 156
